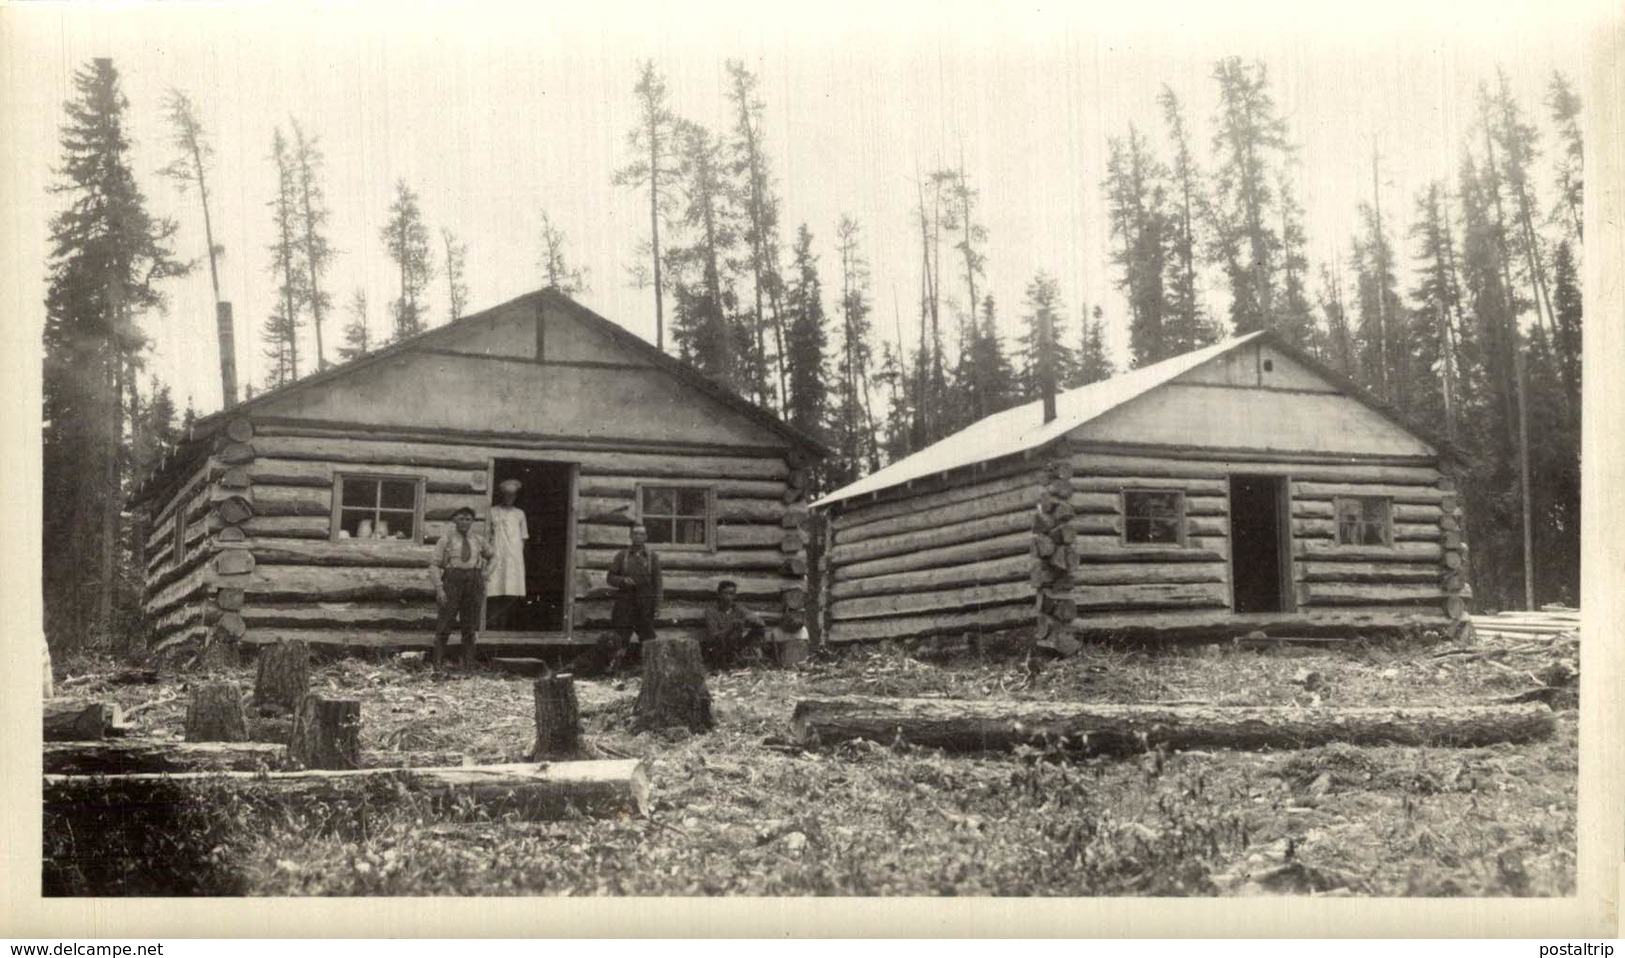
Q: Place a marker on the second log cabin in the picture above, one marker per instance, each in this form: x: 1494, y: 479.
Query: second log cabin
x: 1242, y: 487
x: 309, y: 512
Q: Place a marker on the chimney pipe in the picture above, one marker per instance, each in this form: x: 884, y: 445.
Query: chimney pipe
x: 228, y: 354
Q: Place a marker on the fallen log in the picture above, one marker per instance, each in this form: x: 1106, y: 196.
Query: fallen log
x: 159, y: 756
x: 530, y: 792
x: 964, y: 725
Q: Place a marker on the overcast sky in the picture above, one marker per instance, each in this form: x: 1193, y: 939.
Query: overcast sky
x: 494, y: 112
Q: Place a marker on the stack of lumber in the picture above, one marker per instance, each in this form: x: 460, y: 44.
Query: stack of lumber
x: 1550, y: 621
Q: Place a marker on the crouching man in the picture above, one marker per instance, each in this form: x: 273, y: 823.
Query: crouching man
x: 458, y: 571
x: 730, y: 628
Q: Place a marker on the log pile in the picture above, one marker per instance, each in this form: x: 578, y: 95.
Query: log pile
x: 989, y: 725
x: 1055, y: 559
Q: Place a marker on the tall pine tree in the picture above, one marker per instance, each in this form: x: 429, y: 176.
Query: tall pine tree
x: 407, y: 239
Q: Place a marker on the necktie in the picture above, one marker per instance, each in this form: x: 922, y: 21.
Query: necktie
x: 468, y: 550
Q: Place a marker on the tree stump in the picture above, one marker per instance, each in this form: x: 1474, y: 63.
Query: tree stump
x: 326, y: 733
x: 283, y: 678
x: 674, y: 692
x: 558, y: 719
x: 215, y: 714
x: 77, y: 721
x: 791, y: 648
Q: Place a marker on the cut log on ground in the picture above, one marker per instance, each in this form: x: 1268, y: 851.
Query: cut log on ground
x: 215, y: 714
x: 674, y: 692
x: 981, y: 725
x: 558, y: 719
x: 531, y: 792
x: 326, y: 733
x: 77, y: 721
x: 162, y: 756
x: 282, y: 679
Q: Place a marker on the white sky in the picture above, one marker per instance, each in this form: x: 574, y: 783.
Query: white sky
x: 493, y: 112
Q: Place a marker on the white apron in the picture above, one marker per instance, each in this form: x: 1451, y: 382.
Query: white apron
x: 508, y: 534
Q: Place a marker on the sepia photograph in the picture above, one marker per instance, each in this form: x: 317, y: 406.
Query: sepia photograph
x: 917, y: 452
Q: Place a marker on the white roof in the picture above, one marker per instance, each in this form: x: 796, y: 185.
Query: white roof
x: 1021, y: 428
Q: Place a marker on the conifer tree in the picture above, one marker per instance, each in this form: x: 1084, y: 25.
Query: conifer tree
x: 1564, y: 105
x: 312, y: 215
x: 760, y: 225
x: 1250, y: 139
x: 190, y: 168
x: 857, y: 439
x: 280, y: 332
x: 108, y: 258
x: 703, y: 321
x: 358, y: 340
x: 653, y: 141
x: 1186, y: 325
x: 1094, y: 362
x: 807, y: 402
x: 1043, y: 339
x: 456, y: 265
x: 1338, y: 350
x: 1135, y: 207
x: 407, y: 239
x: 557, y: 273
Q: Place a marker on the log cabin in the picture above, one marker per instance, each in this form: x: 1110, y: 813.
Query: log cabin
x: 309, y: 512
x: 1238, y: 488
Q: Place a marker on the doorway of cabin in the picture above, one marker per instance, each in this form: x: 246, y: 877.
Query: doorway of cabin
x: 1260, y: 544
x: 544, y: 496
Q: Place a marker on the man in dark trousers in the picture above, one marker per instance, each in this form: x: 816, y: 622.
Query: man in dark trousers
x: 730, y: 628
x: 457, y: 569
x: 634, y: 574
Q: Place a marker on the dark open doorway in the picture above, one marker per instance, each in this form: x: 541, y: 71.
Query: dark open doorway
x: 1260, y: 550
x: 544, y: 496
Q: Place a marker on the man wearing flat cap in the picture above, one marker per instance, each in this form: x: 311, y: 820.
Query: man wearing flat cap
x: 458, y: 572
x: 505, y: 576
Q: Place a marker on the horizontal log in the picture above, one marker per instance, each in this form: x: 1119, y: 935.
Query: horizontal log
x: 1368, y: 572
x: 451, y: 455
x: 984, y: 528
x: 900, y: 502
x: 405, y: 639
x: 1403, y: 531
x: 1313, y: 550
x: 190, y: 587
x: 292, y: 501
x: 1112, y: 549
x: 1176, y: 623
x: 998, y: 547
x: 334, y: 584
x: 594, y: 616
x: 626, y: 487
x: 1374, y: 593
x: 732, y: 560
x: 1425, y: 495
x: 701, y: 586
x: 1116, y: 484
x: 319, y: 474
x: 549, y: 791
x: 264, y: 614
x: 996, y: 618
x: 729, y: 536
x: 290, y: 527
x: 343, y: 552
x: 1100, y: 464
x: 1008, y: 569
x: 1155, y: 595
x: 913, y: 603
x: 183, y: 495
x: 1086, y: 503
x: 1147, y: 573
x: 1106, y: 729
x: 166, y: 756
x: 1012, y: 500
x: 443, y: 505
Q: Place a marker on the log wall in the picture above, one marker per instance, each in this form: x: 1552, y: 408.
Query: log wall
x: 1041, y: 546
x: 946, y: 559
x: 267, y: 494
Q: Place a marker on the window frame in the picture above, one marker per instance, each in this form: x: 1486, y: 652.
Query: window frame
x: 1182, y: 526
x: 710, y: 490
x: 1387, y: 521
x: 419, y: 488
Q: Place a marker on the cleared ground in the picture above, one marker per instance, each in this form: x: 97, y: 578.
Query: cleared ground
x: 739, y: 812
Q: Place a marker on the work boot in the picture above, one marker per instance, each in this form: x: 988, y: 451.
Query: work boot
x: 468, y: 655
x: 439, y: 660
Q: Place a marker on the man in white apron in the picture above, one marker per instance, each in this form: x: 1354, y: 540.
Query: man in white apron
x: 505, y: 582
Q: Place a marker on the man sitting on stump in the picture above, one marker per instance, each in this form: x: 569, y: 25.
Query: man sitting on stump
x: 458, y: 572
x: 729, y: 628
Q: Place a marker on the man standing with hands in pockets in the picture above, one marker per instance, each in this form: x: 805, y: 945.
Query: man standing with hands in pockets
x: 458, y: 571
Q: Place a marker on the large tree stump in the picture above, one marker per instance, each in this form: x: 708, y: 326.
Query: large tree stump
x: 77, y: 721
x: 283, y: 677
x: 674, y: 692
x: 215, y: 714
x: 1088, y: 728
x: 326, y: 733
x: 558, y: 719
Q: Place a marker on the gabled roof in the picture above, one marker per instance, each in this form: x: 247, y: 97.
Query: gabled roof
x: 681, y: 370
x: 207, y: 426
x: 1022, y: 428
